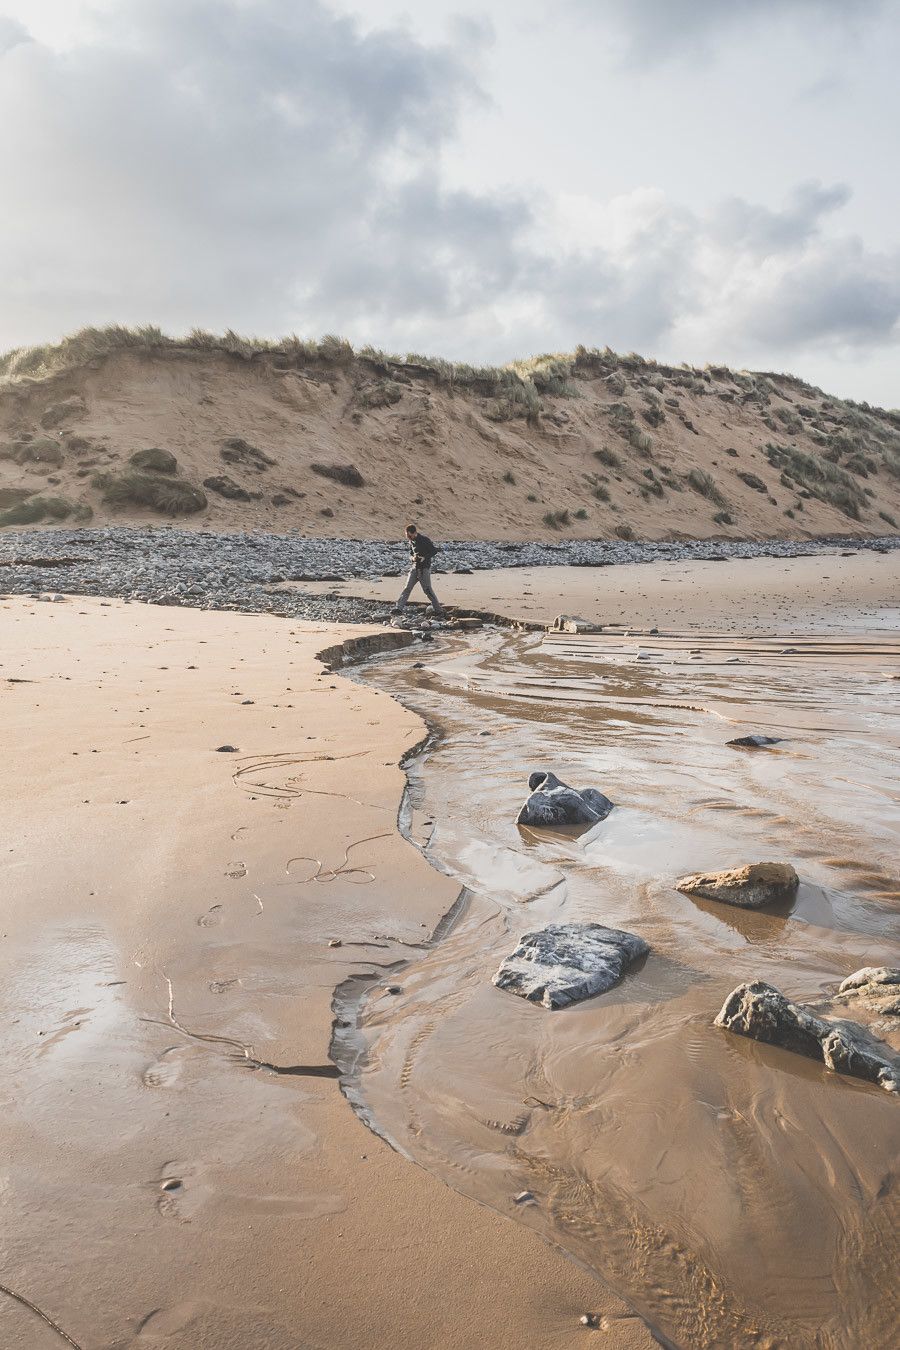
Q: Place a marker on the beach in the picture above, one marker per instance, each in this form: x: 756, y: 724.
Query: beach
x: 182, y: 1169
x: 227, y: 920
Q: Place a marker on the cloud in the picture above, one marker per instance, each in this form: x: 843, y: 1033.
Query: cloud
x: 655, y: 30
x: 273, y: 166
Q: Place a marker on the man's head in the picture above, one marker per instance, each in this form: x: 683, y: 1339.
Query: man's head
x: 411, y: 531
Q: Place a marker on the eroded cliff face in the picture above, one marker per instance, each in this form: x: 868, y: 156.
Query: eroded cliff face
x: 336, y: 444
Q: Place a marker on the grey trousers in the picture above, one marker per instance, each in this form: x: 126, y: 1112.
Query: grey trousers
x: 422, y: 575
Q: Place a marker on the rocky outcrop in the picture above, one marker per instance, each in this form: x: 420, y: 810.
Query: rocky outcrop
x: 762, y: 1013
x: 570, y: 623
x: 567, y: 962
x: 749, y: 887
x: 552, y: 804
x: 361, y: 648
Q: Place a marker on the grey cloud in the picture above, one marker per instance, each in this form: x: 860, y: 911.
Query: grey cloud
x: 271, y: 166
x: 654, y: 30
x: 740, y: 224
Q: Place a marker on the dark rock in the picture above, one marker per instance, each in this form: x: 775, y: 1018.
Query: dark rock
x: 226, y: 749
x: 553, y: 803
x: 749, y: 887
x: 567, y: 962
x: 755, y: 741
x: 761, y: 1012
x: 752, y: 480
x: 346, y: 474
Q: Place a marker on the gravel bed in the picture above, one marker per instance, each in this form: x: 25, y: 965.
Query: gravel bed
x: 204, y: 570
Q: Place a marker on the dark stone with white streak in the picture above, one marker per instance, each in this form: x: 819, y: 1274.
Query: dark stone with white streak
x: 553, y: 803
x: 567, y: 962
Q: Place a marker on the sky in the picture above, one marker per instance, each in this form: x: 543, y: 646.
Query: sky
x: 696, y: 180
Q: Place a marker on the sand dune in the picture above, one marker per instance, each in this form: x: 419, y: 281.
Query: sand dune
x: 333, y: 444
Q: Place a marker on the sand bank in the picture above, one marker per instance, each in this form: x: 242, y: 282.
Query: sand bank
x: 181, y: 1169
x: 858, y: 593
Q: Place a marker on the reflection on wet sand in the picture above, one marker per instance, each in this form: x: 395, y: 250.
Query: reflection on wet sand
x: 734, y: 1194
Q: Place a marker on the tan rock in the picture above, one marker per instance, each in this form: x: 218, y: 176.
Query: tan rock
x: 750, y: 887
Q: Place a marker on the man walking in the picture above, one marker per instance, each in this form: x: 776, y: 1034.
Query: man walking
x: 421, y: 553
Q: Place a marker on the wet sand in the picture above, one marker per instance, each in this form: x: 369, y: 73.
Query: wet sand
x: 821, y: 594
x: 734, y: 1194
x: 181, y: 1168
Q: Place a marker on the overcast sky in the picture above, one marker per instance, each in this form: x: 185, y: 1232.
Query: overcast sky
x: 701, y: 180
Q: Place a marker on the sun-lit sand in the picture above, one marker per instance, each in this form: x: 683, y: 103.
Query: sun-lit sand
x: 181, y: 1167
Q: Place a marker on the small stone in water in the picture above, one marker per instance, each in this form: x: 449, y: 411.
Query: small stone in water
x: 334, y: 942
x: 395, y: 989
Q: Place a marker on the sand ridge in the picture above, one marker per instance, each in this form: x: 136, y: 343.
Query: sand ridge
x: 627, y: 449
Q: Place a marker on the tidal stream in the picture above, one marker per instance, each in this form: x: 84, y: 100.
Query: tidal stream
x: 733, y: 1194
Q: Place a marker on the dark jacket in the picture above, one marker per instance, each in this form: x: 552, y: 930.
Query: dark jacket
x: 421, y: 551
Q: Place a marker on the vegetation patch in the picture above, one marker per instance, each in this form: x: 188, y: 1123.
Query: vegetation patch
x: 556, y: 520
x: 346, y: 474
x: 818, y: 477
x: 705, y: 484
x: 238, y: 451
x: 168, y: 496
x: 154, y: 459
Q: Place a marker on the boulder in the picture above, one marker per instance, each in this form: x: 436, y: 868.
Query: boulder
x: 760, y: 1011
x: 570, y: 623
x: 877, y: 988
x: 567, y: 962
x: 755, y: 740
x: 552, y: 803
x: 749, y: 887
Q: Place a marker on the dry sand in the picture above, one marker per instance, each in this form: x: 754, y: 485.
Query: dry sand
x: 851, y: 594
x: 167, y: 917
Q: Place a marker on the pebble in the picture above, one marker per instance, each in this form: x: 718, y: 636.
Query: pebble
x: 203, y: 569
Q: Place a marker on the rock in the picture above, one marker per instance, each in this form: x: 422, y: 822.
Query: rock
x: 752, y: 480
x: 755, y: 740
x: 226, y: 749
x: 749, y: 887
x: 524, y: 1197
x: 467, y: 625
x: 554, y: 803
x: 761, y: 1012
x: 876, y: 987
x: 570, y: 623
x: 567, y: 962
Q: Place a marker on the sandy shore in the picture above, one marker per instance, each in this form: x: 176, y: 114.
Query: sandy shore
x: 177, y: 1173
x: 856, y: 593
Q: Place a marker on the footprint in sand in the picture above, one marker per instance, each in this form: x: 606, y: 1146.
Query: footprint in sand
x: 211, y: 917
x: 178, y: 1194
x: 165, y: 1071
x: 236, y: 870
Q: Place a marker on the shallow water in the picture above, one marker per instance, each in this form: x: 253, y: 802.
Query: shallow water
x: 732, y: 1193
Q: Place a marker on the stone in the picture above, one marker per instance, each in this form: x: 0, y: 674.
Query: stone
x: 553, y: 803
x: 750, y: 887
x: 62, y: 411
x: 755, y: 740
x: 570, y: 623
x: 877, y: 988
x: 226, y: 749
x: 567, y: 962
x: 752, y: 480
x: 761, y: 1012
